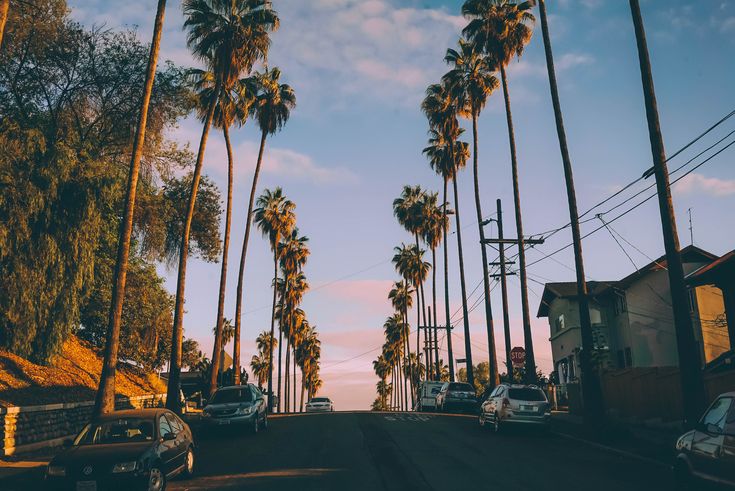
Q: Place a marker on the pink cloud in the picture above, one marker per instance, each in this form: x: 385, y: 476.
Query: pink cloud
x: 709, y: 185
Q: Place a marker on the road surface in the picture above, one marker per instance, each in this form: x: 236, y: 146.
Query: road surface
x: 406, y: 451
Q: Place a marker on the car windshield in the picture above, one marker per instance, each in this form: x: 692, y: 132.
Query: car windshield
x: 232, y: 395
x: 527, y: 394
x: 123, y: 430
x: 320, y: 399
x: 457, y: 387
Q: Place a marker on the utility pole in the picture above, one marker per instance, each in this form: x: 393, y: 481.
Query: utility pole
x: 528, y: 340
x: 504, y: 293
x: 691, y: 227
x: 692, y: 386
x: 594, y: 408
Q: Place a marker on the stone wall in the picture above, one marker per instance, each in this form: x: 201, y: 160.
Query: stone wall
x: 29, y: 428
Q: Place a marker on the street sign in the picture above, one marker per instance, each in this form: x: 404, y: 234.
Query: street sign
x: 461, y: 360
x: 518, y: 356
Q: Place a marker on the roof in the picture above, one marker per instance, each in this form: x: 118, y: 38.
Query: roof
x: 134, y: 413
x: 568, y: 289
x: 714, y: 272
x: 690, y: 254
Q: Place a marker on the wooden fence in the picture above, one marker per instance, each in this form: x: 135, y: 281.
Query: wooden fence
x: 655, y: 393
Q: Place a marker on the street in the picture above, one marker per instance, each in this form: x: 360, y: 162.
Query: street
x: 404, y: 451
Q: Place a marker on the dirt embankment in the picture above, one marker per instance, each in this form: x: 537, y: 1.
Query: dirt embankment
x: 73, y: 377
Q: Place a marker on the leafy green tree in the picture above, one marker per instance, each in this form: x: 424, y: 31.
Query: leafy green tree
x: 191, y: 355
x: 70, y: 100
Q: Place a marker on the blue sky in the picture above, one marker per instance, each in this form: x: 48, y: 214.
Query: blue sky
x: 359, y: 69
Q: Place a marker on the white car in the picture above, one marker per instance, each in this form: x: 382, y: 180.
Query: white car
x: 428, y: 390
x: 319, y: 405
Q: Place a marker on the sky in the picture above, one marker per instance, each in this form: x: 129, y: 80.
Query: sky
x: 359, y: 69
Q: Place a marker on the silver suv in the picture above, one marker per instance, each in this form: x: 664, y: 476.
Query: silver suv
x: 515, y: 404
x: 242, y: 405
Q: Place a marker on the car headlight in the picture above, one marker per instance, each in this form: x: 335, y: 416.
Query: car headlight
x: 124, y: 467
x: 56, y: 470
x: 245, y: 410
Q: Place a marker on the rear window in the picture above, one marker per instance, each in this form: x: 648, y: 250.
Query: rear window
x: 226, y: 396
x: 533, y: 395
x: 457, y: 387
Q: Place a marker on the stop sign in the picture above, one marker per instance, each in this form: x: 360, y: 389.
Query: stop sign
x: 518, y: 356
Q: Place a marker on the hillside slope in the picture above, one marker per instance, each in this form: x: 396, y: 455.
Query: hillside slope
x: 73, y: 377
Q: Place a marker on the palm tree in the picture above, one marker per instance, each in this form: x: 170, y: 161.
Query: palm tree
x: 275, y: 218
x: 435, y: 226
x: 271, y: 109
x: 105, y: 398
x: 401, y: 300
x: 307, y: 356
x: 446, y: 156
x: 471, y: 82
x: 259, y: 366
x: 229, y: 37
x: 231, y: 106
x: 5, y: 6
x: 380, y: 365
x: 501, y: 29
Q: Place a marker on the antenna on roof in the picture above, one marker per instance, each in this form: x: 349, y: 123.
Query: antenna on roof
x: 691, y: 227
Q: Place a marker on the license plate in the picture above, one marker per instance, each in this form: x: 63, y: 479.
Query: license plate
x: 86, y: 485
x: 223, y: 422
x: 532, y: 409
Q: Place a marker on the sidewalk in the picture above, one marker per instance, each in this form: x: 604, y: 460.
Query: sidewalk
x: 654, y: 445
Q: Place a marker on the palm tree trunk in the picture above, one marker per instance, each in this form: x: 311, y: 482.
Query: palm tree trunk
x: 287, y: 386
x: 433, y: 295
x: 248, y: 222
x: 223, y: 282
x: 273, y: 325
x: 690, y: 363
x: 591, y: 390
x: 527, y: 337
x: 105, y: 398
x: 280, y: 351
x: 4, y: 7
x: 494, y: 377
x: 427, y: 334
x: 303, y: 386
x: 177, y: 335
x: 465, y: 313
x: 450, y: 355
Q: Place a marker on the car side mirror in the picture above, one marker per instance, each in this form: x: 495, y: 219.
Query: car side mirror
x: 68, y: 442
x: 169, y: 437
x: 713, y: 429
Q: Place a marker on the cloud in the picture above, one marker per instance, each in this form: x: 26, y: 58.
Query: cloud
x: 709, y: 185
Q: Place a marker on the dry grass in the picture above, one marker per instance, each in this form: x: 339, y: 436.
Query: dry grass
x: 73, y: 377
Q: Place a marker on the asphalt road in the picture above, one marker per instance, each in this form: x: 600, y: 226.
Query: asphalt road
x: 383, y: 451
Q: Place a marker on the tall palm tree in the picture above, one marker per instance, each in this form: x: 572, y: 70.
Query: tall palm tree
x: 231, y: 107
x: 229, y: 36
x: 471, y: 82
x: 502, y: 28
x: 271, y: 109
x: 275, y: 218
x: 259, y: 366
x: 435, y: 226
x: 5, y: 6
x: 105, y: 398
x: 401, y: 300
x: 382, y: 369
x: 592, y: 392
x: 307, y: 356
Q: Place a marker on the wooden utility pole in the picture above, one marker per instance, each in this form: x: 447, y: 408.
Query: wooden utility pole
x: 692, y: 386
x: 528, y: 341
x: 504, y: 293
x: 594, y: 409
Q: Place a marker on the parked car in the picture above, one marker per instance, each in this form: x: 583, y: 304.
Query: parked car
x: 134, y: 449
x: 319, y: 405
x: 242, y: 405
x: 515, y: 404
x: 456, y: 396
x: 428, y: 391
x: 707, y: 453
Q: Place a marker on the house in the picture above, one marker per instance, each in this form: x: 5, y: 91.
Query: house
x: 632, y: 319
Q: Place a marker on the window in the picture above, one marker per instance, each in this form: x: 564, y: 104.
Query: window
x: 527, y: 394
x: 692, y: 300
x: 560, y: 323
x: 621, y: 305
x: 225, y: 396
x: 164, y: 427
x: 175, y: 423
x: 595, y: 316
x: 717, y: 413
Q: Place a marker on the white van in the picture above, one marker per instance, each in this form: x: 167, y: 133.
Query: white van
x: 427, y: 395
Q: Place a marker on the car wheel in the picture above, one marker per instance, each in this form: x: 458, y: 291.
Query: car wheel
x: 496, y: 423
x: 156, y: 480
x: 189, y: 463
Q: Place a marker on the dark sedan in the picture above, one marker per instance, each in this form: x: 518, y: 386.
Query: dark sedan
x: 136, y: 449
x: 457, y: 396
